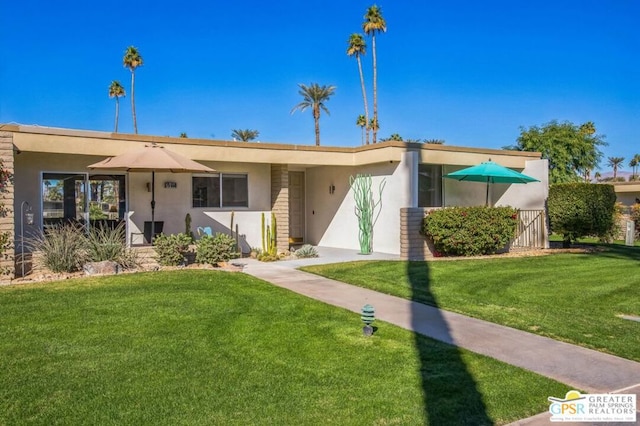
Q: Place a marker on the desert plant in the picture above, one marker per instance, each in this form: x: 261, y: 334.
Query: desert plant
x: 62, y: 248
x: 470, y: 231
x: 269, y: 237
x: 171, y: 250
x: 219, y: 248
x: 105, y: 244
x: 579, y: 210
x: 187, y: 227
x: 306, y: 251
x: 109, y: 244
x: 6, y: 180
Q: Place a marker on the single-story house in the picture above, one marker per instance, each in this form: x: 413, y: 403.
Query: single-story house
x: 628, y: 193
x: 306, y: 187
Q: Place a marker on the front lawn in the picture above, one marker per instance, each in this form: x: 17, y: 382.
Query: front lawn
x: 208, y: 347
x: 571, y: 297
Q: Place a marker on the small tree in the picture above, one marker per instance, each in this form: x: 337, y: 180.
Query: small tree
x: 578, y: 210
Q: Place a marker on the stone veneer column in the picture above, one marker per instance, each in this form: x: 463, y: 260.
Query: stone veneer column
x: 280, y: 203
x: 413, y: 245
x: 7, y: 258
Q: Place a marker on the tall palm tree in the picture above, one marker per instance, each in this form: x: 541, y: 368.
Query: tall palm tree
x: 358, y: 47
x: 362, y: 123
x: 245, y: 135
x: 614, y: 163
x: 116, y: 91
x: 314, y: 96
x: 634, y: 163
x: 374, y: 23
x: 133, y: 60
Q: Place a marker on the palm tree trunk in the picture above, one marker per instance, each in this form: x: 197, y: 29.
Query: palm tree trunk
x: 316, y: 118
x: 375, y: 88
x: 133, y: 102
x: 362, y: 135
x: 364, y: 97
x: 117, y: 113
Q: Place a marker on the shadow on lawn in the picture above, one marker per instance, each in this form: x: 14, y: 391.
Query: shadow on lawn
x: 450, y: 392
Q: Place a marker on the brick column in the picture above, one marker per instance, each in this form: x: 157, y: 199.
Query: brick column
x: 280, y: 203
x: 413, y: 245
x: 7, y: 257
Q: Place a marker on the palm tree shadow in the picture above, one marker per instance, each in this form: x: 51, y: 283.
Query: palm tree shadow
x: 451, y: 395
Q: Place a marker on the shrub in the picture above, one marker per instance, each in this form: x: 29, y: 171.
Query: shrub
x: 470, y: 231
x: 635, y: 216
x: 63, y: 248
x: 109, y: 244
x: 171, y: 249
x: 305, y: 251
x: 219, y: 248
x: 579, y: 210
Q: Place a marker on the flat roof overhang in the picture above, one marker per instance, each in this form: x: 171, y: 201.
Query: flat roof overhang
x: 91, y: 143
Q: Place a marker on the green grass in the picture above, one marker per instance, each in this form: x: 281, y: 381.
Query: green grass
x: 571, y: 297
x: 208, y: 347
x: 556, y: 238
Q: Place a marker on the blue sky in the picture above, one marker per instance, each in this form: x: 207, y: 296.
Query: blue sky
x: 468, y: 72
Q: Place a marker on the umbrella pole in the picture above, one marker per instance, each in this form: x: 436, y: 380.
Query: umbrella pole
x: 153, y: 205
x: 487, y: 201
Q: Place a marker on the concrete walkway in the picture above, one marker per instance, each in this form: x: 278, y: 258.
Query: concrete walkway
x: 581, y: 368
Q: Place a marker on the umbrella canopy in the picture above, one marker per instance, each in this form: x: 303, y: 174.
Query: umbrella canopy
x: 490, y: 172
x: 151, y: 158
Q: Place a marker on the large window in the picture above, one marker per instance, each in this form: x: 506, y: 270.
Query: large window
x: 430, y: 185
x: 81, y: 197
x: 220, y: 190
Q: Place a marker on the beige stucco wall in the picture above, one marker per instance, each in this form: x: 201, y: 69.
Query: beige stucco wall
x: 172, y: 204
x: 331, y: 219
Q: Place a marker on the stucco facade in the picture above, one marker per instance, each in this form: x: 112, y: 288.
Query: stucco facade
x: 326, y: 211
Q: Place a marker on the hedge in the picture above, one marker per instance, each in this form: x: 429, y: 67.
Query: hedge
x: 470, y: 231
x: 579, y: 210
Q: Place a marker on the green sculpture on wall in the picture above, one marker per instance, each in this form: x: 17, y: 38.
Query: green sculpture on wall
x: 365, y: 208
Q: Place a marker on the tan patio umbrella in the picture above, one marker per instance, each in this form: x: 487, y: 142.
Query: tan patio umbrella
x: 151, y: 158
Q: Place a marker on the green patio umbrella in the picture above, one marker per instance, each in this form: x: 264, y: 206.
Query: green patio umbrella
x: 490, y: 172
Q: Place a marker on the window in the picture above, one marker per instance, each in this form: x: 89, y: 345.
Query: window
x: 220, y: 190
x: 430, y: 185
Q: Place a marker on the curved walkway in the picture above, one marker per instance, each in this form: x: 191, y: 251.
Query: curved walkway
x: 581, y: 368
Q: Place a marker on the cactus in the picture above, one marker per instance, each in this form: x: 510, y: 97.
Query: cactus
x: 365, y: 209
x: 262, y: 230
x: 269, y: 236
x: 231, y: 227
x: 187, y: 226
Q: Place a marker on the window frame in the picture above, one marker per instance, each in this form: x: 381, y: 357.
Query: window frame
x: 219, y: 176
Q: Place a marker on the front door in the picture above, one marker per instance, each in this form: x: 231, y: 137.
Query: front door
x: 296, y: 207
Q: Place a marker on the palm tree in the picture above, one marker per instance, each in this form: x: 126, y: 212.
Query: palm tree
x: 245, y: 135
x: 634, y: 163
x: 358, y: 47
x: 374, y: 23
x: 362, y: 123
x: 116, y: 91
x: 314, y: 96
x: 614, y: 163
x: 373, y: 125
x: 133, y: 60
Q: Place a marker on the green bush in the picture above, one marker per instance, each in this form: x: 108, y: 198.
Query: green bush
x: 635, y: 216
x: 470, y: 231
x: 62, y: 248
x: 171, y: 250
x: 579, y: 210
x: 109, y: 244
x: 219, y: 248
